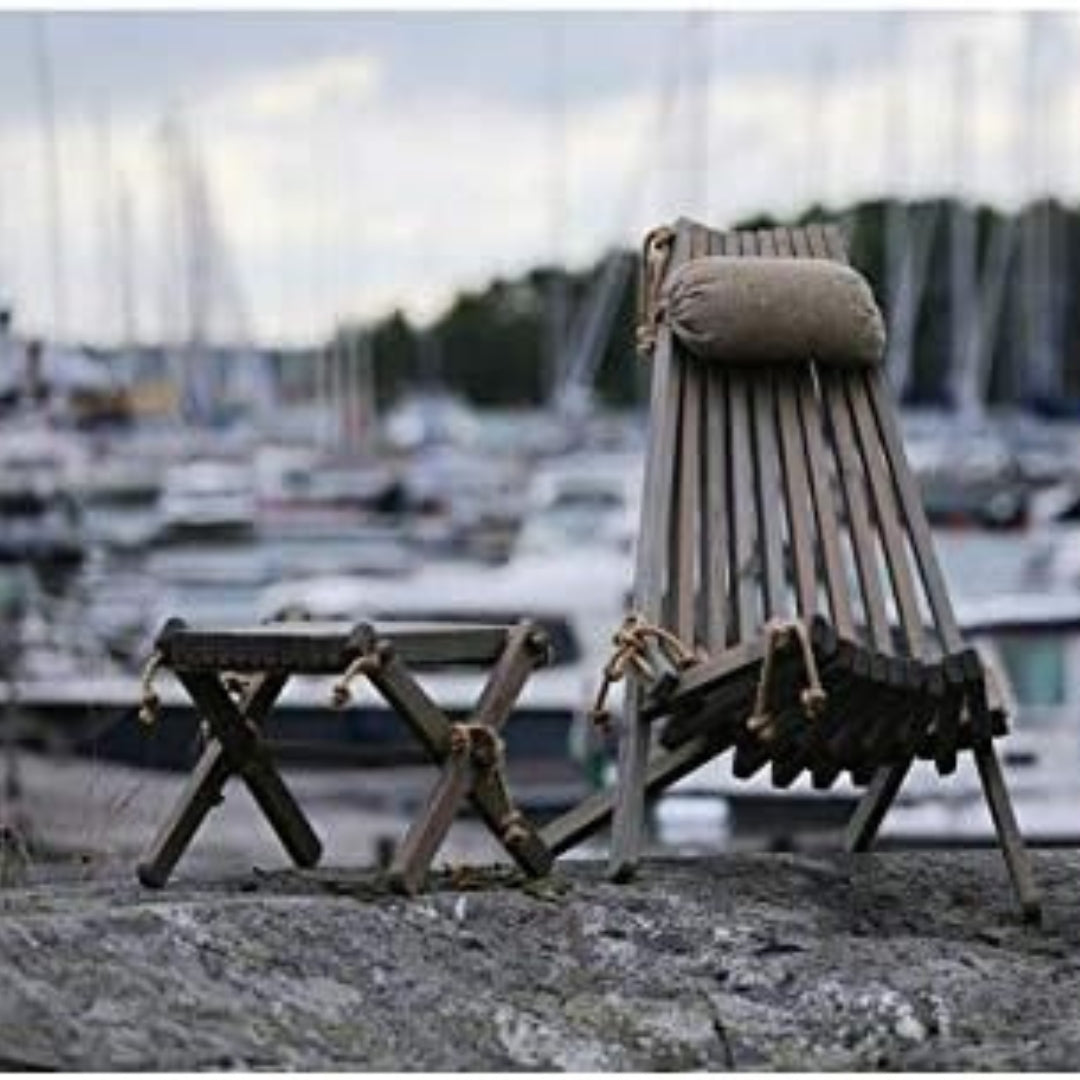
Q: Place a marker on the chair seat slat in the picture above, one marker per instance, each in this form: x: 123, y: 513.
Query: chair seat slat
x: 858, y: 516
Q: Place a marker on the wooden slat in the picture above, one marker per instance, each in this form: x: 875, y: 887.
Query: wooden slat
x: 765, y: 243
x: 918, y: 527
x: 714, y: 525
x: 686, y: 511
x: 687, y: 515
x: 774, y: 594
x: 629, y: 806
x: 815, y: 237
x: 796, y: 498
x: 782, y: 243
x: 835, y: 246
x: 862, y: 535
x: 828, y: 522
x: 888, y: 521
x: 800, y: 244
x: 744, y: 570
x: 667, y: 568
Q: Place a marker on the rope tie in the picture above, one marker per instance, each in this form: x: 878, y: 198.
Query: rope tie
x: 629, y: 653
x: 812, y: 697
x: 513, y: 829
x: 488, y: 753
x: 656, y: 256
x: 478, y: 741
x: 367, y: 663
x: 149, y: 700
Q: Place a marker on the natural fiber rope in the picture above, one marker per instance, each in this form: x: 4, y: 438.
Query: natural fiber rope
x: 149, y: 700
x: 367, y: 663
x: 655, y: 258
x: 488, y: 753
x: 630, y: 641
x: 813, y: 697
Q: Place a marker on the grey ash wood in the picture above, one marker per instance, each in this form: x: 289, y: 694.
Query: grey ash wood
x: 764, y: 489
x: 659, y: 476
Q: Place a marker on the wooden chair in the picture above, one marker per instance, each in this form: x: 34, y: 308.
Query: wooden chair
x: 234, y: 678
x: 789, y: 604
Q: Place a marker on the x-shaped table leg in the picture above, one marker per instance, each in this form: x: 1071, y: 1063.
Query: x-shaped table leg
x: 235, y: 747
x: 470, y: 771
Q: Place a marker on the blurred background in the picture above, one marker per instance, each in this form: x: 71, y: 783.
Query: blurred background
x: 334, y: 312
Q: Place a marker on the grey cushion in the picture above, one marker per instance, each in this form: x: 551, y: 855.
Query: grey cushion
x: 743, y: 311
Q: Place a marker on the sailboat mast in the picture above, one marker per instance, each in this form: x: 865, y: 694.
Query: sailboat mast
x: 962, y: 255
x: 51, y: 168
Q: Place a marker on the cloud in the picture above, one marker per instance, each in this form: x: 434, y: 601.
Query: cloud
x: 334, y: 195
x: 297, y: 93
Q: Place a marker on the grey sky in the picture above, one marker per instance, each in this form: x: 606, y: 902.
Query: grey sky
x: 357, y: 161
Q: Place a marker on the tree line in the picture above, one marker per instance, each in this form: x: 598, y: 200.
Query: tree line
x: 493, y: 345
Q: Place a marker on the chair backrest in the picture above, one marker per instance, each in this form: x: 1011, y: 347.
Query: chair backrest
x: 783, y: 490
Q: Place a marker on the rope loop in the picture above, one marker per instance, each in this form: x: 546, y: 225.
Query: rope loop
x: 813, y: 699
x: 480, y: 742
x: 513, y: 830
x: 630, y: 641
x: 655, y: 258
x: 367, y: 663
x: 149, y: 700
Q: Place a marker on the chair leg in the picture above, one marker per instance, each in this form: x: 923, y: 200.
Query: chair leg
x: 629, y: 819
x: 476, y: 774
x: 236, y: 727
x: 874, y: 805
x: 1012, y: 844
x: 591, y: 814
x: 413, y: 857
x: 201, y: 794
x: 281, y: 809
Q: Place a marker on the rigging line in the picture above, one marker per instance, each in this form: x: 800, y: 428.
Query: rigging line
x: 648, y: 157
x: 51, y: 164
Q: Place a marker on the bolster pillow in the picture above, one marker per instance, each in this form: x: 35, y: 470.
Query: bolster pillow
x: 743, y: 311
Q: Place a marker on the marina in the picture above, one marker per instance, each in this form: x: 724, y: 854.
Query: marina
x: 70, y: 690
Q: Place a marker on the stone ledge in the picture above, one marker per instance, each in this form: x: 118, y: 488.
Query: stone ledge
x: 893, y: 960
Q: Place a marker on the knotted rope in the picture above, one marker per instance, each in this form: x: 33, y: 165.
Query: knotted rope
x: 149, y: 700
x: 367, y: 663
x: 655, y: 258
x: 812, y: 698
x: 488, y: 753
x: 630, y: 642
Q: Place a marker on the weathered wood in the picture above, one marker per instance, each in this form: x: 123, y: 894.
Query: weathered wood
x: 325, y: 648
x: 202, y: 792
x: 774, y: 593
x: 825, y: 513
x: 796, y: 499
x: 1012, y: 844
x: 740, y: 526
x: 714, y: 525
x: 648, y: 582
x: 204, y: 789
x: 858, y: 516
x: 412, y: 861
x: 745, y: 553
x: 663, y: 769
x: 249, y: 758
x: 888, y: 521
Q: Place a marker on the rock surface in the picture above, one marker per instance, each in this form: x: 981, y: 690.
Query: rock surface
x: 895, y: 960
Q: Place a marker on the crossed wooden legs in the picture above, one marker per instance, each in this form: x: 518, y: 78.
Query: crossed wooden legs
x: 471, y: 755
x: 235, y: 747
